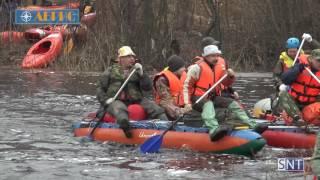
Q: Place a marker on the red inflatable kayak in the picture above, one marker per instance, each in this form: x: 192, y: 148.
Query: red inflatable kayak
x: 11, y: 36
x: 43, y: 52
x: 89, y: 19
x: 62, y: 29
x: 35, y: 34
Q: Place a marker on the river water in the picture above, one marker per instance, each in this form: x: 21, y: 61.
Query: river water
x: 37, y: 109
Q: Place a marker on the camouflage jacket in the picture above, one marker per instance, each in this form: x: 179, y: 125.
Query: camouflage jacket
x: 166, y: 101
x: 111, y: 81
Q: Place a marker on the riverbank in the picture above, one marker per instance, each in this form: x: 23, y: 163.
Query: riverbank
x: 85, y: 57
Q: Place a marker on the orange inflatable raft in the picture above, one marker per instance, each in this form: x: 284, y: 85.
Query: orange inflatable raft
x: 241, y: 142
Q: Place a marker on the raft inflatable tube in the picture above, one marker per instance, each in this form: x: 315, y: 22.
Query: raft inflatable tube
x: 43, y: 52
x: 61, y: 29
x: 240, y: 142
x: 289, y: 137
x: 36, y: 34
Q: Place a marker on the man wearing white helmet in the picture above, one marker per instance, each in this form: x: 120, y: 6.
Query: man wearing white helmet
x: 200, y: 77
x: 111, y: 81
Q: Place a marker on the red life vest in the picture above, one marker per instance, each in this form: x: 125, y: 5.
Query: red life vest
x: 209, y: 76
x: 305, y: 88
x: 175, y: 86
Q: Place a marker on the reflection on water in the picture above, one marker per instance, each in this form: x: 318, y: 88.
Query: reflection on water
x: 36, y: 142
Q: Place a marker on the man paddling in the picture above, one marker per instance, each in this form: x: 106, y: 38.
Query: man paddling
x: 285, y: 62
x: 200, y: 77
x: 287, y: 57
x: 228, y: 91
x: 112, y: 79
x: 303, y: 99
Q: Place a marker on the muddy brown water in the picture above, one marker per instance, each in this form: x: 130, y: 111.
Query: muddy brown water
x: 37, y: 109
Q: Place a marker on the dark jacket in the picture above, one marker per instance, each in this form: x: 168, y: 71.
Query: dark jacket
x: 292, y: 74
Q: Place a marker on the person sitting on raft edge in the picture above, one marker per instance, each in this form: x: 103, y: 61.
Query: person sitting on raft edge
x: 111, y: 81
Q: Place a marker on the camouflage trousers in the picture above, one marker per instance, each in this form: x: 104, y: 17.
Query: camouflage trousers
x: 288, y: 104
x: 119, y: 110
x: 316, y: 157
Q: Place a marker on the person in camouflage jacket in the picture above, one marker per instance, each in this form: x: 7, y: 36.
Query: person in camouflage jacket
x: 111, y: 81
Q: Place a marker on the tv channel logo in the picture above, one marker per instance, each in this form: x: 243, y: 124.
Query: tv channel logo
x: 63, y: 16
x: 291, y: 164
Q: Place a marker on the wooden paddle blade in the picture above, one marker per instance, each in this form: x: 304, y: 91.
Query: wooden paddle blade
x: 152, y: 145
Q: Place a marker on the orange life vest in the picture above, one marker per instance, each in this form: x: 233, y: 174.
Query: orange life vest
x: 175, y: 86
x: 311, y: 113
x: 305, y: 88
x: 209, y: 76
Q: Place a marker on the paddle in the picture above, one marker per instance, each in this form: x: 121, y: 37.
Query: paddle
x: 298, y: 53
x: 109, y: 102
x: 209, y: 90
x: 312, y: 74
x: 296, y: 57
x: 153, y: 144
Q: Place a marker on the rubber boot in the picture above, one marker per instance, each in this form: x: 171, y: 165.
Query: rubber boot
x: 208, y: 117
x: 220, y: 132
x: 235, y: 108
x: 260, y: 128
x: 125, y: 126
x: 127, y: 132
